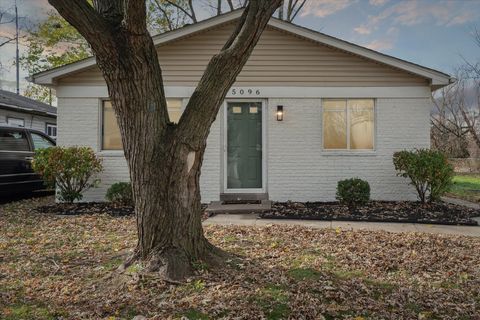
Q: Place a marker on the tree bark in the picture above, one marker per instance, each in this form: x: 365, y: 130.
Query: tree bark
x: 164, y: 159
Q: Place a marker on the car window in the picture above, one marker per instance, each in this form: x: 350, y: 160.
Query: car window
x: 11, y: 140
x: 40, y: 142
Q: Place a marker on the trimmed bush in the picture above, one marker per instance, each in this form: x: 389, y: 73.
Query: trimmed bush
x: 353, y: 192
x: 121, y: 193
x: 428, y: 170
x: 72, y: 170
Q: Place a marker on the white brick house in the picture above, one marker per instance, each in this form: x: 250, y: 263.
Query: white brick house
x: 346, y: 110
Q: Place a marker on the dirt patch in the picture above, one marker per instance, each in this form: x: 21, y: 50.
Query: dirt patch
x: 376, y: 211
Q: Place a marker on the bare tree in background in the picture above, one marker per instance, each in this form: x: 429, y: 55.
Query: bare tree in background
x: 179, y: 12
x: 3, y: 20
x: 456, y: 118
x: 449, y: 132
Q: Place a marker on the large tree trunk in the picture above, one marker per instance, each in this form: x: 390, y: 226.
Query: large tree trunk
x: 164, y: 170
x: 164, y: 159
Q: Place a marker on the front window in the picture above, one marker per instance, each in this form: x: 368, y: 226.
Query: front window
x: 111, y: 139
x: 348, y: 124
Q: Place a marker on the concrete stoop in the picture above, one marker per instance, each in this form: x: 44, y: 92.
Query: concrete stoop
x: 217, y: 207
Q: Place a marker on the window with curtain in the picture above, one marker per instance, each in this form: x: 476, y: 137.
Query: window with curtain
x: 111, y: 139
x: 348, y: 124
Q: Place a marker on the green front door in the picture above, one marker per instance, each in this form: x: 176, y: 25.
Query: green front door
x: 244, y: 145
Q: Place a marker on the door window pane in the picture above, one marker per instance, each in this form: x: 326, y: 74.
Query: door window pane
x: 40, y: 142
x: 334, y: 124
x: 13, y: 141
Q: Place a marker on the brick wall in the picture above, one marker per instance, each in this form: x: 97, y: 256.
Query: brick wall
x: 297, y: 167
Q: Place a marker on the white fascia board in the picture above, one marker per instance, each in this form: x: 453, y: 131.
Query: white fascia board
x: 437, y: 78
x: 47, y: 77
x: 101, y: 92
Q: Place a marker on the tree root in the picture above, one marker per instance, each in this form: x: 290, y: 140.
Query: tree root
x: 173, y: 265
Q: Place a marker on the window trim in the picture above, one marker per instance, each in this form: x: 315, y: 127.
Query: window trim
x: 47, y: 124
x: 16, y: 118
x: 348, y: 150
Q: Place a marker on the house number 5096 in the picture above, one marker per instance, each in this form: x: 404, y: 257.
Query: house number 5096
x: 242, y: 92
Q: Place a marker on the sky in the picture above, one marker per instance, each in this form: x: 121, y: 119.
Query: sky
x: 433, y: 33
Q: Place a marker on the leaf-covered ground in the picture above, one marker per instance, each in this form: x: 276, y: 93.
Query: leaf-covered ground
x: 55, y: 267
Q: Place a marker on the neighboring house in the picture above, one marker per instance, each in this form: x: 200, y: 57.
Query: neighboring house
x: 306, y: 111
x: 20, y: 111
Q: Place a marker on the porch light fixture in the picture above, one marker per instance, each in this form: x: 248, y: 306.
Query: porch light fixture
x: 279, y: 113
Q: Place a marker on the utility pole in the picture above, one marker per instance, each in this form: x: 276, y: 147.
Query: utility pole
x: 17, y: 57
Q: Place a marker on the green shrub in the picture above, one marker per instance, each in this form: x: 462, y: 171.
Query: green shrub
x: 353, y: 192
x: 120, y: 192
x: 428, y: 170
x: 72, y: 170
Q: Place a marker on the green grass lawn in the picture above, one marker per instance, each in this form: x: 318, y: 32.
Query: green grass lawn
x: 466, y: 187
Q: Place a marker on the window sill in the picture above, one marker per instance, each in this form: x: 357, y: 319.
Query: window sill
x: 349, y: 153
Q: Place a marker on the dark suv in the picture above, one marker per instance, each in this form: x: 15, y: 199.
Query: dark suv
x: 17, y: 147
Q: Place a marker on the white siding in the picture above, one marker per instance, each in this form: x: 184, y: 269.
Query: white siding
x: 279, y: 59
x: 31, y: 121
x: 297, y: 167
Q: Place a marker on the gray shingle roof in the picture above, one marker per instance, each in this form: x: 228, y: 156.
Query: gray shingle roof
x: 13, y: 101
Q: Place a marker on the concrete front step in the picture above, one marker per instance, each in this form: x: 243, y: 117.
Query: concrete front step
x: 219, y: 207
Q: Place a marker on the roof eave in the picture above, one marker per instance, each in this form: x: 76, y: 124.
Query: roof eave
x: 28, y: 110
x: 436, y: 78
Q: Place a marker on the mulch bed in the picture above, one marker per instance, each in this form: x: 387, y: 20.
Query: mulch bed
x: 376, y: 211
x: 69, y: 209
x: 89, y: 208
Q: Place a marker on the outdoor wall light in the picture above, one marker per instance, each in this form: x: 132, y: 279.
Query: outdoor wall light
x: 279, y: 113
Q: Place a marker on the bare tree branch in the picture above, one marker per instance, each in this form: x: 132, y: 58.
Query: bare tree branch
x: 224, y: 67
x: 191, y: 14
x: 91, y: 25
x: 294, y: 15
x: 6, y: 41
x: 165, y: 14
x: 230, y: 4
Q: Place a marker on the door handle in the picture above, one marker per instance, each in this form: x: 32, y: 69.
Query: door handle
x: 29, y: 158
